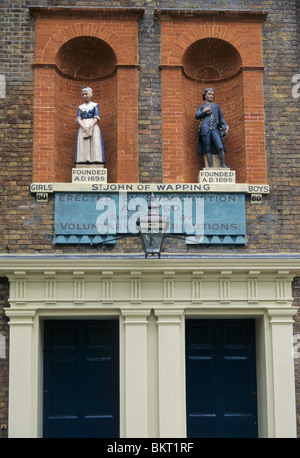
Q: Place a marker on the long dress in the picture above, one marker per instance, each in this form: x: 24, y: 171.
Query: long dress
x: 89, y: 150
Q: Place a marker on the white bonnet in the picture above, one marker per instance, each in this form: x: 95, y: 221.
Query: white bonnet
x: 87, y: 89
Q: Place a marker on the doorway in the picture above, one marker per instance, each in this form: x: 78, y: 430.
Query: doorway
x: 81, y: 379
x: 221, y: 379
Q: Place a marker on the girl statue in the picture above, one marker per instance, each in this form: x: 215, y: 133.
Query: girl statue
x: 90, y: 147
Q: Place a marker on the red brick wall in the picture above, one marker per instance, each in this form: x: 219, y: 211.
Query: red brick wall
x: 235, y: 72
x: 237, y: 79
x: 254, y: 127
x: 67, y: 99
x: 44, y: 120
x: 173, y: 127
x: 58, y: 91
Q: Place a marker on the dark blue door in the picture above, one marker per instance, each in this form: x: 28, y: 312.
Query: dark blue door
x: 81, y: 379
x: 221, y: 379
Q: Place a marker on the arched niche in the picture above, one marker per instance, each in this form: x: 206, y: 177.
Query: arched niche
x: 223, y: 50
x: 211, y: 59
x: 86, y: 58
x: 212, y: 62
x: 78, y: 47
x: 84, y: 61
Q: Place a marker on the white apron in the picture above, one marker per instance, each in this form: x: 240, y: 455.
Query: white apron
x: 90, y: 149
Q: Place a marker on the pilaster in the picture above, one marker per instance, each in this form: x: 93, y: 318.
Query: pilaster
x: 20, y: 372
x: 136, y: 373
x: 171, y: 373
x: 281, y: 322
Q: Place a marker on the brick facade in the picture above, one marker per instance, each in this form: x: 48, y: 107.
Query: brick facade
x: 18, y: 124
x: 145, y: 68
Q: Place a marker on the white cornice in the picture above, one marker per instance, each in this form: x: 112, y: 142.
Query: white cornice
x: 283, y: 264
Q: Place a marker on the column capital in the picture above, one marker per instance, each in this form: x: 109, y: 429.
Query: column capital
x: 169, y: 317
x: 282, y: 316
x: 169, y: 314
x: 136, y: 316
x: 20, y: 317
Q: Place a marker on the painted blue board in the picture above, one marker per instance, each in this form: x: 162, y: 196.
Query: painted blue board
x: 94, y: 218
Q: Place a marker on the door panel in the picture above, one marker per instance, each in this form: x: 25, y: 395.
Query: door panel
x: 81, y: 379
x: 221, y: 378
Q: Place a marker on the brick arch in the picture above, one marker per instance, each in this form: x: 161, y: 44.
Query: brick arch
x: 186, y: 39
x: 211, y: 59
x: 54, y: 44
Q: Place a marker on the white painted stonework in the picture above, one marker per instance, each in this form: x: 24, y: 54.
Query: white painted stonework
x: 152, y: 298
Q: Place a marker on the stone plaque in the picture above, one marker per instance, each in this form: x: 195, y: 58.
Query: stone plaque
x: 221, y: 176
x: 88, y: 217
x: 89, y: 175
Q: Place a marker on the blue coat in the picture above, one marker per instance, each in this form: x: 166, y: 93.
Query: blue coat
x: 215, y: 121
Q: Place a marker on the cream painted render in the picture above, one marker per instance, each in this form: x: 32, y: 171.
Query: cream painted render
x: 152, y: 299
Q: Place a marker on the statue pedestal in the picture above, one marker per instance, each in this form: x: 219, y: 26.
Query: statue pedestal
x: 216, y: 175
x: 89, y: 173
x: 89, y: 166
